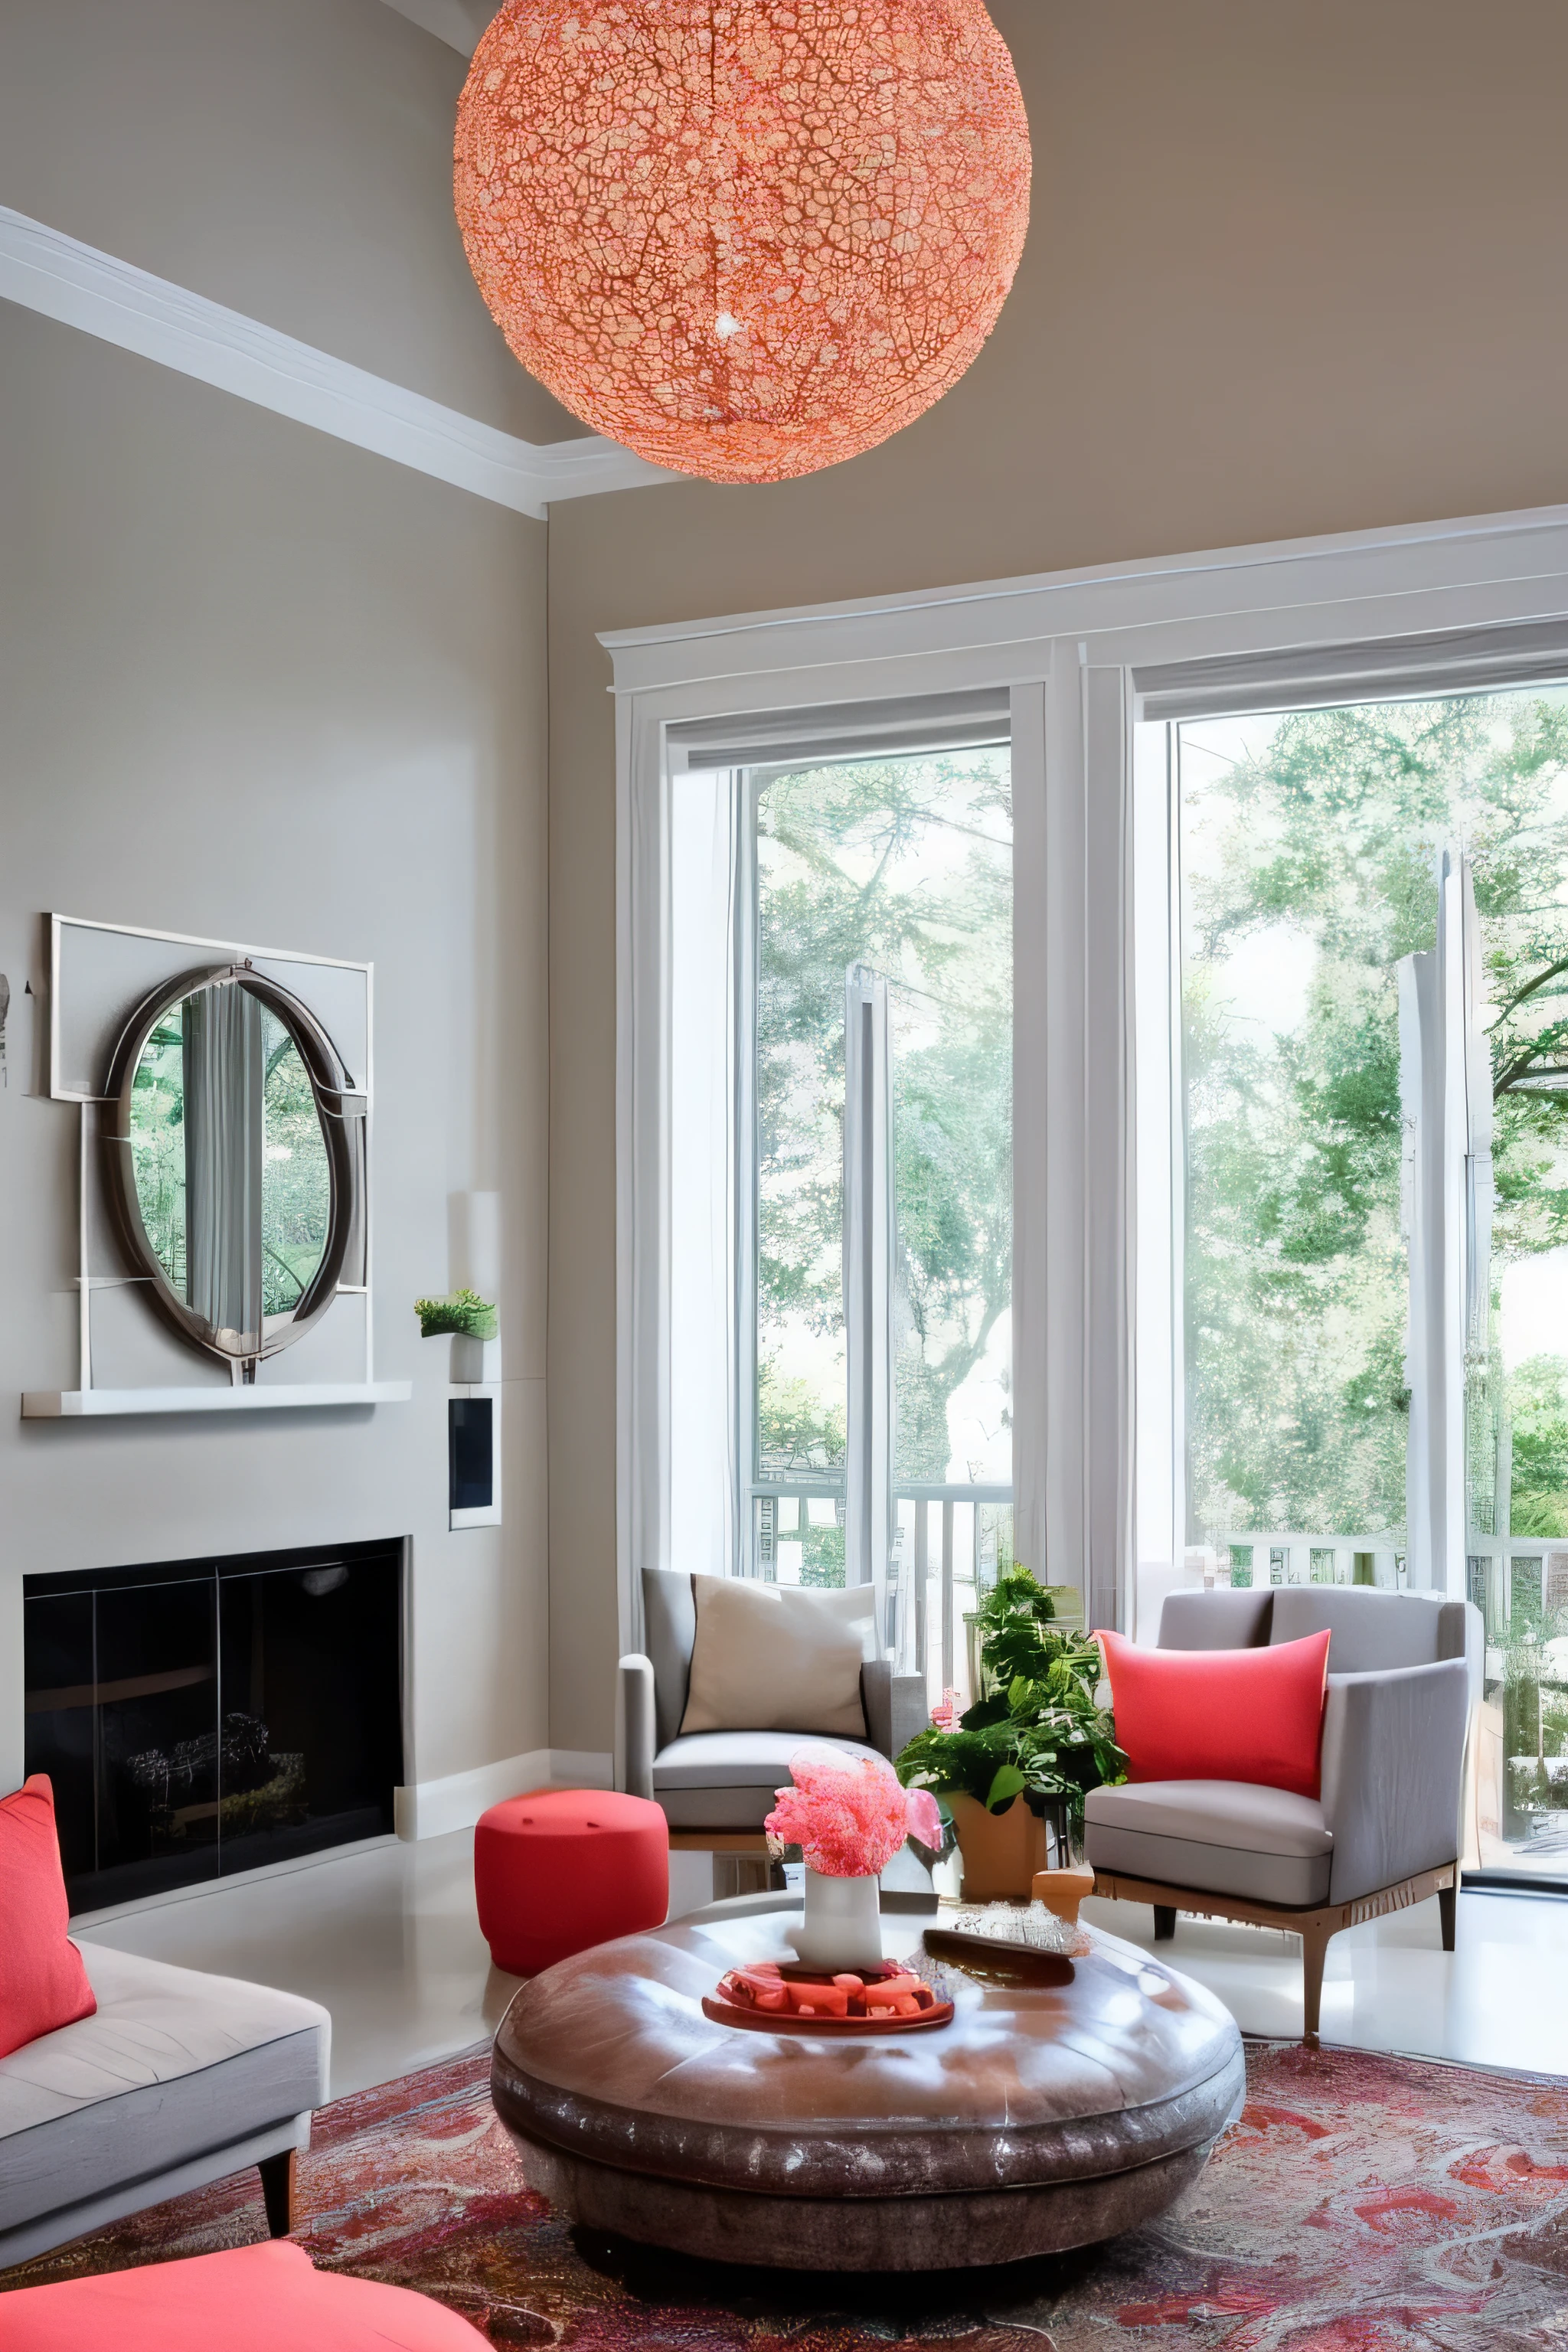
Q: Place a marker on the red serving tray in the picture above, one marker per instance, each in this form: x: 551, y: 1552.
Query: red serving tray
x: 776, y: 2021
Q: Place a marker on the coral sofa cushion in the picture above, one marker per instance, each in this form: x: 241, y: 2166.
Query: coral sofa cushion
x: 1221, y: 1715
x: 262, y: 2298
x: 43, y: 1983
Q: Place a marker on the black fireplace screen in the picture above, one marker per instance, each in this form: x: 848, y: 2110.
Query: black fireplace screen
x: 202, y: 1718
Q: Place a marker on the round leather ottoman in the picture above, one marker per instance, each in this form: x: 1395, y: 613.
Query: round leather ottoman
x: 561, y: 1869
x: 1067, y: 2101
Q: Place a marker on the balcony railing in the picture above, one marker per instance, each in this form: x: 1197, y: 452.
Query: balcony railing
x: 1252, y: 1556
x: 1503, y: 1570
x: 1510, y: 1573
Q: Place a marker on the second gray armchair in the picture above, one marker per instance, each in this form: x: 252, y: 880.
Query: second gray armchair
x: 1404, y: 1676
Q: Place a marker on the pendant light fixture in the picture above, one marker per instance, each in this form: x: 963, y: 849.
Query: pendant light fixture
x: 746, y: 239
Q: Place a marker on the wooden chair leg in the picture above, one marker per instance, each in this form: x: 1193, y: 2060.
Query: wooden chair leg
x: 1448, y: 1914
x: 277, y: 2189
x: 1314, y: 1952
x: 1164, y: 1922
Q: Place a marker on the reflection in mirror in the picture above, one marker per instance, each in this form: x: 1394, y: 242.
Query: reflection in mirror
x: 296, y: 1174
x: 231, y: 1171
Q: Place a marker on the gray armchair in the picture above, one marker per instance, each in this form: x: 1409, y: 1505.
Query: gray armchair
x: 721, y: 1782
x: 1405, y: 1672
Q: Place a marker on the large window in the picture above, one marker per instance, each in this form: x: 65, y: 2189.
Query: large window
x: 841, y: 1029
x: 1286, y: 1229
x: 1368, y: 1269
x: 883, y: 1166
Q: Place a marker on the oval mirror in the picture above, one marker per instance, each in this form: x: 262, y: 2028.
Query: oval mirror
x: 238, y: 1171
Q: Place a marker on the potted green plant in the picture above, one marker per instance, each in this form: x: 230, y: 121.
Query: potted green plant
x: 1036, y: 1741
x: 463, y: 1313
x: 473, y: 1323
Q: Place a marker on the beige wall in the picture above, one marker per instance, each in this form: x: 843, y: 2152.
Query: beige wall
x: 256, y: 684
x: 290, y: 157
x: 1294, y: 268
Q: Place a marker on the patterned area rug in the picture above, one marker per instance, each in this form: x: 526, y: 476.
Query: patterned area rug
x: 1361, y: 2203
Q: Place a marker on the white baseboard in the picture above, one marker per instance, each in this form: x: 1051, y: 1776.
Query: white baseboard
x: 431, y: 1808
x: 582, y: 1768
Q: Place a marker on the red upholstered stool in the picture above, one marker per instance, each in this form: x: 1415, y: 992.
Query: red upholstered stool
x: 262, y: 2298
x: 563, y: 1868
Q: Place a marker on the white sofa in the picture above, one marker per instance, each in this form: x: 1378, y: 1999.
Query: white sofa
x: 179, y: 2079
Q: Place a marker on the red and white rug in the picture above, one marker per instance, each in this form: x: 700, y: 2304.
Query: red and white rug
x: 1361, y: 2203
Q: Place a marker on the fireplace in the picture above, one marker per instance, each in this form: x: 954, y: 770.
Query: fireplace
x: 205, y: 1717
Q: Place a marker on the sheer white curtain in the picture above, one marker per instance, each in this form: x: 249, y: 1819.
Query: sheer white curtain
x: 1446, y: 1100
x: 868, y: 1244
x: 704, y: 1499
x: 1073, y: 1169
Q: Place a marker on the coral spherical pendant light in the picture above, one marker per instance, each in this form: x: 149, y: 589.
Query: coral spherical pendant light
x: 745, y: 238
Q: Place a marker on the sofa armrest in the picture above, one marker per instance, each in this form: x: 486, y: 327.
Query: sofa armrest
x: 635, y: 1733
x: 1462, y: 1633
x: 895, y: 1707
x: 1393, y: 1757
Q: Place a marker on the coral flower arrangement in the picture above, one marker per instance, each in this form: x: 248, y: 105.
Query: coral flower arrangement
x: 848, y: 1814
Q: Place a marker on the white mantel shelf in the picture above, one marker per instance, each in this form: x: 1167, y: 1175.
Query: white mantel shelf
x: 93, y: 1405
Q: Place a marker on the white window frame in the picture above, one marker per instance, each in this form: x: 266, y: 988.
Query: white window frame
x: 1074, y: 648
x: 715, y: 1497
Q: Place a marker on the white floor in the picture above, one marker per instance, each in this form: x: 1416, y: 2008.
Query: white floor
x: 1496, y: 2000
x: 386, y: 1937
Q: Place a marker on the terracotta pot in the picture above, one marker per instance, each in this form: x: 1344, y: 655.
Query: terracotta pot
x: 1001, y: 1852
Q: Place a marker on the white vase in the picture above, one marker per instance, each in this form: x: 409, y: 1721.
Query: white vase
x: 843, y: 1925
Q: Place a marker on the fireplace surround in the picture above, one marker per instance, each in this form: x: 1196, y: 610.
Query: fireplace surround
x: 205, y: 1717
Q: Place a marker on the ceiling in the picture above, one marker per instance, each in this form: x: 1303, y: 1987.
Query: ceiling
x: 458, y: 23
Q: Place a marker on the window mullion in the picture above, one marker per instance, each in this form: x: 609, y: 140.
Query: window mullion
x: 869, y: 1228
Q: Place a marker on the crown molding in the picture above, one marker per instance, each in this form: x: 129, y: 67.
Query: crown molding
x: 45, y: 271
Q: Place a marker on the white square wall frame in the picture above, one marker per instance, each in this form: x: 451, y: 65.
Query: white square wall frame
x: 128, y: 1363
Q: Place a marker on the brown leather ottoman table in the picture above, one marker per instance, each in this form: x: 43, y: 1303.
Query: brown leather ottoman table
x: 1064, y: 2103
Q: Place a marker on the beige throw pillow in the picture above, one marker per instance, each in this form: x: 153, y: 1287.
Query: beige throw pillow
x: 775, y: 1657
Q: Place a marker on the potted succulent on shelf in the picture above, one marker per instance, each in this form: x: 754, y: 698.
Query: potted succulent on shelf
x: 849, y: 1815
x: 472, y: 1322
x: 463, y: 1313
x: 1036, y: 1742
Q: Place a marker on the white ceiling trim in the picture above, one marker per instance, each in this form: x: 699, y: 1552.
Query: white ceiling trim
x: 45, y: 271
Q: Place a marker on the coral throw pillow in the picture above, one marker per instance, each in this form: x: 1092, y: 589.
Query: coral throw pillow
x: 43, y: 1983
x: 1221, y: 1715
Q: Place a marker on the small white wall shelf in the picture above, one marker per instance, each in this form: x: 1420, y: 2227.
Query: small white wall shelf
x: 87, y: 1404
